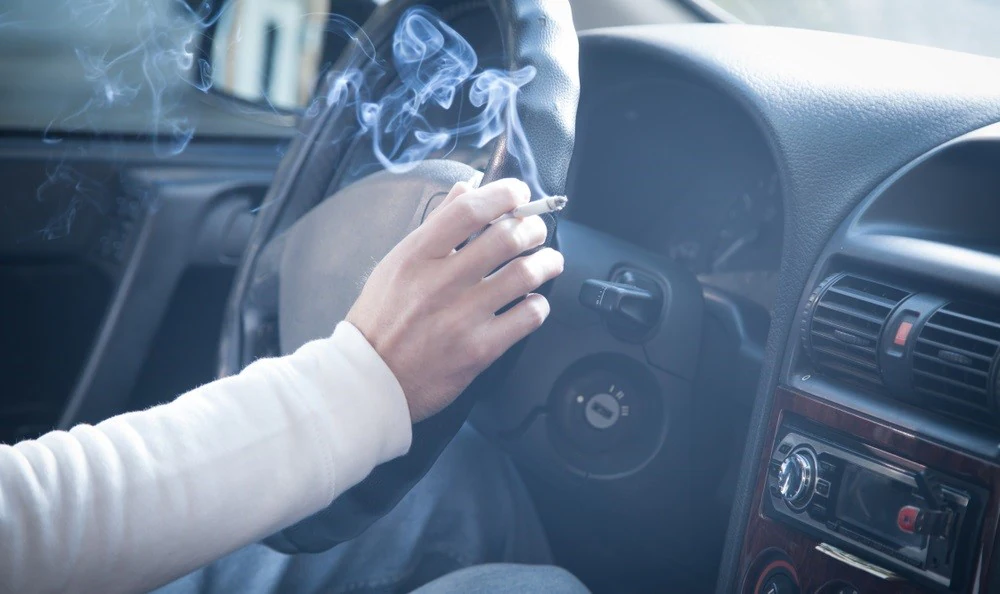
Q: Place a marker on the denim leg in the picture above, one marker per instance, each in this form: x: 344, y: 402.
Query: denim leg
x: 505, y: 578
x: 471, y: 508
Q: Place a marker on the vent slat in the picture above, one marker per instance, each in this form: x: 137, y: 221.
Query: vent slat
x: 826, y: 322
x: 870, y: 365
x: 968, y: 318
x: 846, y: 325
x: 968, y: 335
x: 862, y: 296
x: 853, y: 372
x: 953, y: 358
x: 870, y: 350
x: 956, y: 366
x: 948, y: 347
x: 851, y: 312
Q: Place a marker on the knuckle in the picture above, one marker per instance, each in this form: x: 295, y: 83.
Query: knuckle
x: 513, y: 192
x: 536, y: 230
x: 467, y: 210
x: 536, y: 310
x: 558, y: 261
x: 527, y: 273
x: 554, y: 262
x: 511, y: 237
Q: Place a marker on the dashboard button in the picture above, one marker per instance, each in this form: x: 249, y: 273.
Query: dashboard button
x: 906, y: 520
x: 823, y: 488
x: 902, y: 333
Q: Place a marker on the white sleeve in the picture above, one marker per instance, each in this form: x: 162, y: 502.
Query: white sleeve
x: 145, y: 497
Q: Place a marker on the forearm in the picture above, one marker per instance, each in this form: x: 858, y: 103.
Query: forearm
x: 145, y: 497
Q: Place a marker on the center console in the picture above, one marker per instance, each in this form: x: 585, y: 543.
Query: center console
x: 880, y: 466
x: 849, y: 504
x: 910, y: 519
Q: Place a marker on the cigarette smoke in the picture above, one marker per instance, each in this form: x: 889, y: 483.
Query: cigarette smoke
x: 433, y: 66
x: 434, y: 63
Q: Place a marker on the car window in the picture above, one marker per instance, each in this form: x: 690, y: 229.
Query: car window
x: 963, y: 25
x: 127, y: 67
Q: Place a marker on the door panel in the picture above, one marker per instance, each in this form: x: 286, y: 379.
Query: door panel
x: 100, y: 241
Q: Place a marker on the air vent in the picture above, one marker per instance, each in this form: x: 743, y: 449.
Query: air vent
x: 845, y: 320
x: 954, y: 355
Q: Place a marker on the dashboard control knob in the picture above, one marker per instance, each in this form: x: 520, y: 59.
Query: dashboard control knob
x: 795, y: 478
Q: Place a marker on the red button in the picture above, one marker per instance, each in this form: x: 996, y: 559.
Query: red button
x: 902, y: 333
x: 907, y: 518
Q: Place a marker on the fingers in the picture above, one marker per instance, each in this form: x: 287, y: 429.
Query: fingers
x: 519, y: 277
x: 456, y: 191
x: 469, y: 213
x: 501, y: 242
x: 505, y: 330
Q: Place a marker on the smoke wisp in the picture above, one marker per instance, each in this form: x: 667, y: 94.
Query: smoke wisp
x: 430, y: 63
x: 434, y: 64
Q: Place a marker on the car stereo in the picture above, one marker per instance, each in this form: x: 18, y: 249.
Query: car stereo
x: 893, y: 512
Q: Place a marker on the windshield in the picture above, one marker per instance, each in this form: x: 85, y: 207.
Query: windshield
x: 964, y: 25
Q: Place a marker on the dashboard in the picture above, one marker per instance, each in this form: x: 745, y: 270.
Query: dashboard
x: 768, y: 163
x: 683, y: 172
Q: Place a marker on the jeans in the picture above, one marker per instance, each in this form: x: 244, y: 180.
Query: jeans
x: 503, y: 578
x: 470, y: 509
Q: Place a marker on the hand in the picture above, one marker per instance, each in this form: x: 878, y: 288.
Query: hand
x: 429, y: 309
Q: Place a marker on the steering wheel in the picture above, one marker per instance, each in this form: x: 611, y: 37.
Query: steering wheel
x: 308, y: 254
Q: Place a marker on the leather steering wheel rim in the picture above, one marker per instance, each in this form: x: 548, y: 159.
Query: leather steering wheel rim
x: 539, y: 33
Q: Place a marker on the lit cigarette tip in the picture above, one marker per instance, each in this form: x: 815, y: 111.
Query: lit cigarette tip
x: 558, y: 203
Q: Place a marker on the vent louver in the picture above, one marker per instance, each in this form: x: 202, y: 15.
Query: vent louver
x: 954, y: 355
x: 848, y: 314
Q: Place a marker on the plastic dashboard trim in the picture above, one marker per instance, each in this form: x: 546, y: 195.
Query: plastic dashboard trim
x: 955, y: 266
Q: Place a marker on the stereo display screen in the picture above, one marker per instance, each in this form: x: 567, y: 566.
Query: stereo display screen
x: 871, y: 502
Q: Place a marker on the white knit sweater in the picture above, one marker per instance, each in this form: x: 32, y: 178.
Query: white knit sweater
x: 145, y: 497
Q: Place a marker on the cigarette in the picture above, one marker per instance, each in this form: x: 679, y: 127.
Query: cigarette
x: 537, y: 207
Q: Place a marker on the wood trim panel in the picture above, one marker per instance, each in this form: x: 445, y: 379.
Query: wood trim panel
x: 815, y: 569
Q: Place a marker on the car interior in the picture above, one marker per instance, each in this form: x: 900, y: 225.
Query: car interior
x: 773, y: 360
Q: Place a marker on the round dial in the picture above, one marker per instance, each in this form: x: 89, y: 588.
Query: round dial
x: 795, y: 478
x: 780, y: 584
